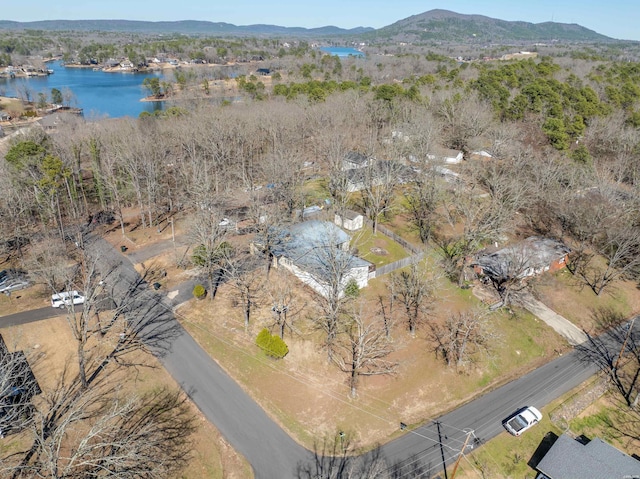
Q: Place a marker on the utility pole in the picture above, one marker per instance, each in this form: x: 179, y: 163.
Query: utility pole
x: 464, y: 446
x: 444, y: 461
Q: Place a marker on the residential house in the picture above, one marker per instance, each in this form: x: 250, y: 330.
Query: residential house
x: 317, y: 253
x: 529, y: 257
x: 378, y: 173
x: 18, y: 385
x: 480, y: 155
x: 354, y: 160
x: 451, y: 157
x: 569, y: 458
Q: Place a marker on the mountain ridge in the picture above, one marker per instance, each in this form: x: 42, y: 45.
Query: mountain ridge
x: 433, y: 25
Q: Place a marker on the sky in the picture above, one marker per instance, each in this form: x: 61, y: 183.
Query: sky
x: 614, y: 18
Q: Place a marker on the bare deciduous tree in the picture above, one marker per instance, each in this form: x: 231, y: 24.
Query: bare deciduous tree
x: 616, y: 352
x: 619, y: 246
x: 208, y: 233
x: 414, y: 288
x: 284, y: 305
x: 362, y: 350
x: 477, y: 220
x: 102, y: 432
x: 240, y: 272
x: 463, y: 336
x: 379, y: 181
x: 18, y: 386
x: 422, y: 201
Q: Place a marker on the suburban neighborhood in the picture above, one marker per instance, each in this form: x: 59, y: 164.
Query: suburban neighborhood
x: 414, y: 260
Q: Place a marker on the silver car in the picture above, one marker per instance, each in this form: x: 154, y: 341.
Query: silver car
x: 14, y: 284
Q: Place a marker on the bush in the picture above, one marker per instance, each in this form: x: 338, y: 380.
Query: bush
x: 352, y: 290
x: 272, y: 345
x: 199, y: 292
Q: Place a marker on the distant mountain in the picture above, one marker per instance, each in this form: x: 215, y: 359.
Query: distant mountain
x: 431, y: 26
x: 446, y: 26
x: 185, y: 27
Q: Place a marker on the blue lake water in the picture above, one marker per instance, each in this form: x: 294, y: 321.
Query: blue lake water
x: 99, y: 94
x: 342, y: 51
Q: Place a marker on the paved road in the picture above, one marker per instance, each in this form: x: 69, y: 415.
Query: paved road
x: 273, y: 454
x: 29, y: 316
x: 484, y: 415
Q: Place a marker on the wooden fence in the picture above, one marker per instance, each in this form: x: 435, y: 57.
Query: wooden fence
x: 401, y: 263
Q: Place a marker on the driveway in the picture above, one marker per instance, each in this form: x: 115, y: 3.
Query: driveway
x: 560, y: 324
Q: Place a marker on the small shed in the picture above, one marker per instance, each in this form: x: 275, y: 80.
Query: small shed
x: 350, y: 220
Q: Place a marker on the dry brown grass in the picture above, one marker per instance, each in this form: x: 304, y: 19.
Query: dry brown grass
x: 309, y: 397
x: 563, y: 293
x: 52, y: 341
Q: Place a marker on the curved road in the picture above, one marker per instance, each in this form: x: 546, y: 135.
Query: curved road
x: 273, y: 454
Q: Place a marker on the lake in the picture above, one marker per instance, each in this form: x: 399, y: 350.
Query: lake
x: 99, y: 94
x: 342, y: 51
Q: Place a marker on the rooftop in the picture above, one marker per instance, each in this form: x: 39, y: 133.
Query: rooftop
x: 534, y: 252
x: 570, y: 459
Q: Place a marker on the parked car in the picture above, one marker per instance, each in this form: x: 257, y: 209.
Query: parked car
x: 60, y: 300
x: 522, y: 420
x: 14, y: 284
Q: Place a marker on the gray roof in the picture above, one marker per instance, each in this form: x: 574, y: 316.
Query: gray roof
x: 312, y: 244
x: 570, y: 459
x: 356, y: 158
x: 534, y: 252
x: 302, y: 236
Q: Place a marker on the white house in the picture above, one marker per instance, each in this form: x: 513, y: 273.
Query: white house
x: 451, y: 157
x: 317, y: 253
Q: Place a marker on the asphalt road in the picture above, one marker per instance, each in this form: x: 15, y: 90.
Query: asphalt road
x: 272, y: 453
x: 444, y: 437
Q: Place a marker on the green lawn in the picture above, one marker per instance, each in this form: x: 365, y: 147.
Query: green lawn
x: 377, y: 248
x: 507, y: 456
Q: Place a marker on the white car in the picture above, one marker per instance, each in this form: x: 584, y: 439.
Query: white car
x: 522, y: 420
x: 60, y: 300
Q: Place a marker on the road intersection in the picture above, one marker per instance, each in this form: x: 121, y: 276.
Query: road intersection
x: 273, y: 453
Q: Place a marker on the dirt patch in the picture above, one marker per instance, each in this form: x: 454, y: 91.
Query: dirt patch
x: 379, y: 251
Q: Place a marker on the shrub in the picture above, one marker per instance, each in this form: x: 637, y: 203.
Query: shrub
x: 199, y: 292
x: 272, y: 345
x: 352, y: 290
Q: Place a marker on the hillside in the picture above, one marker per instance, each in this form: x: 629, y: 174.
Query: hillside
x: 185, y: 27
x: 428, y: 27
x: 447, y: 26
